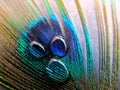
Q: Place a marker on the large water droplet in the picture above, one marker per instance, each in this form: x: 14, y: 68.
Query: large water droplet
x: 58, y: 46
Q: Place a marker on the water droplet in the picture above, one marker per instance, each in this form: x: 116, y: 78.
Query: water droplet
x: 58, y: 46
x: 57, y: 71
x: 37, y: 49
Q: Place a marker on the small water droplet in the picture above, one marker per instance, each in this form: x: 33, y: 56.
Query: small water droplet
x: 37, y: 49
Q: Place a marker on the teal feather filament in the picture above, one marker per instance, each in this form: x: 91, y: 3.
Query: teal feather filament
x: 88, y: 46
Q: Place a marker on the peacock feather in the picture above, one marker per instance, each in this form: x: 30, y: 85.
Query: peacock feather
x: 59, y: 45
